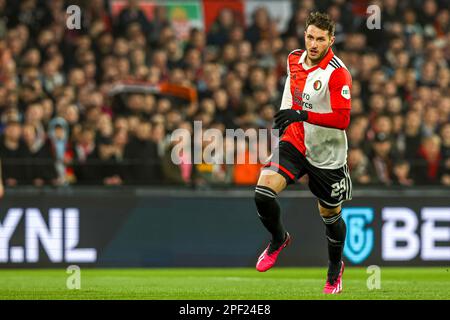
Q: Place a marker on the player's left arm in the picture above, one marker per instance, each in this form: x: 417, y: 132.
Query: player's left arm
x: 340, y: 84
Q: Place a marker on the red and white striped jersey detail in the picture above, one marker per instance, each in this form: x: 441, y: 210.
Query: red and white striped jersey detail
x: 295, y: 133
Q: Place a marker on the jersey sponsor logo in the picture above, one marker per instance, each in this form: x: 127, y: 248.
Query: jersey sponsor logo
x: 300, y: 97
x: 345, y: 92
x: 297, y: 97
x: 317, y: 85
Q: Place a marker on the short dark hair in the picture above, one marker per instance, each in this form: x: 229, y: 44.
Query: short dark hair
x: 321, y: 21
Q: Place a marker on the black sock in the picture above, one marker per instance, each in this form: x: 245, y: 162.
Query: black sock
x: 336, y: 232
x: 269, y: 214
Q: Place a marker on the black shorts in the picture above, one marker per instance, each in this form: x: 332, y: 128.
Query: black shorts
x: 331, y: 186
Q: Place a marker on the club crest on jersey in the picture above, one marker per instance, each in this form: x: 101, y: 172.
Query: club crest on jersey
x: 317, y: 85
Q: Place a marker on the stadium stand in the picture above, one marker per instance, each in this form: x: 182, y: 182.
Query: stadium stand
x: 97, y: 105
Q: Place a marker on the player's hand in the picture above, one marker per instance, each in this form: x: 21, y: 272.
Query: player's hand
x: 284, y: 118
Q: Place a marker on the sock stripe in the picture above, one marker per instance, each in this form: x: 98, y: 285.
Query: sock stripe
x: 332, y: 219
x: 335, y: 217
x: 263, y: 192
x: 259, y: 214
x: 266, y: 190
x: 334, y: 241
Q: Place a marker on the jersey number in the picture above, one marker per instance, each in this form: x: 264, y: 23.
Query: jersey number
x: 338, y: 189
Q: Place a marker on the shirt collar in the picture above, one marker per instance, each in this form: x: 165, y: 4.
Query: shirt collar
x: 323, y: 63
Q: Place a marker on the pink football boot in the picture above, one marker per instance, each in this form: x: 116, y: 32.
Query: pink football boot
x: 266, y: 260
x: 336, y: 286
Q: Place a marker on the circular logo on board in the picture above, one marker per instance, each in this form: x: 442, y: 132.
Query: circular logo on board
x: 317, y: 85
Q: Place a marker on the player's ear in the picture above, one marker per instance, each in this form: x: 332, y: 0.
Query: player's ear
x: 332, y: 38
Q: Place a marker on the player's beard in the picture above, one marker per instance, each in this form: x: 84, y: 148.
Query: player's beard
x: 318, y: 59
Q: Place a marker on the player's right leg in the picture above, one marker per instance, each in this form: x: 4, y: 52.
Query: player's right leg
x: 275, y: 176
x: 270, y: 183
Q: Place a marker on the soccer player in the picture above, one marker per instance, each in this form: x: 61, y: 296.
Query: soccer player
x: 315, y: 111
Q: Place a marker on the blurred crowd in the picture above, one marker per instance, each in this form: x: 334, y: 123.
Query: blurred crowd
x: 60, y: 125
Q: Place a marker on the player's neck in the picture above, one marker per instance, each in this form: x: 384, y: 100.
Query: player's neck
x: 310, y: 63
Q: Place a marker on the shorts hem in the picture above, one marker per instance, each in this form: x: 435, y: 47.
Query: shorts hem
x: 332, y: 204
x: 276, y: 169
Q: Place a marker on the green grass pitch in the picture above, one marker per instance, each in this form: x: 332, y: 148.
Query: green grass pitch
x: 222, y: 284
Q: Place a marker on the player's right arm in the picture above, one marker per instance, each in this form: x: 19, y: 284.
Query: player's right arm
x: 286, y: 100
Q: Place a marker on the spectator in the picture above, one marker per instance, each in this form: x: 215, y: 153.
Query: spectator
x: 259, y: 29
x: 132, y: 13
x: 359, y: 167
x: 158, y: 23
x: 67, y: 81
x: 266, y: 114
x: 13, y: 155
x: 430, y: 122
x: 104, y: 128
x: 224, y: 113
x: 357, y: 133
x: 112, y: 156
x: 177, y: 160
x: 381, y: 159
x: 59, y: 138
x: 141, y: 153
x: 218, y: 34
x: 39, y: 158
x: 412, y: 136
x: 401, y: 174
x: 429, y: 165
x: 445, y: 138
x: 86, y: 158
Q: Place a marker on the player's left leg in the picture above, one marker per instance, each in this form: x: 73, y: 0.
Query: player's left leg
x: 332, y: 187
x: 335, y: 232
